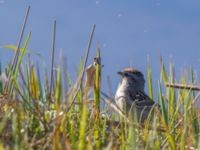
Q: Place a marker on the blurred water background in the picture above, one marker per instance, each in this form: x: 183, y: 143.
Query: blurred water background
x: 129, y: 33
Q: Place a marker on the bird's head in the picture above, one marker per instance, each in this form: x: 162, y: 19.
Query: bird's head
x: 133, y: 77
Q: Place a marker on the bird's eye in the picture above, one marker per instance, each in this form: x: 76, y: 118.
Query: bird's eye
x: 126, y: 74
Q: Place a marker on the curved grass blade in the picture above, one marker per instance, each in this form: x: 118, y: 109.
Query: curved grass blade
x: 14, y: 48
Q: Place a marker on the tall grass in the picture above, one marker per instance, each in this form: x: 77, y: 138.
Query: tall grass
x: 34, y: 115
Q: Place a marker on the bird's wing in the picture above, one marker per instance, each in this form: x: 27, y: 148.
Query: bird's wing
x: 142, y: 100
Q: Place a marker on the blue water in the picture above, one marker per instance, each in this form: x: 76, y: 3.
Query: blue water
x: 127, y: 31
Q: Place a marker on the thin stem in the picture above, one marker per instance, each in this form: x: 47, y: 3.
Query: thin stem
x: 84, y: 67
x: 15, y: 59
x: 182, y: 86
x: 52, y: 55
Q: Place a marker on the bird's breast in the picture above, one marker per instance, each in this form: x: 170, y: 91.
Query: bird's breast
x: 122, y: 97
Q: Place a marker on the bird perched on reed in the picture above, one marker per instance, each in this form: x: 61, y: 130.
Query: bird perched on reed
x: 131, y: 97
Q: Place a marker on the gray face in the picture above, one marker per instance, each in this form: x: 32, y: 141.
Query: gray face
x: 133, y: 77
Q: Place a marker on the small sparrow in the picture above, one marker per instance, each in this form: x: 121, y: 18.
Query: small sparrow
x: 130, y: 94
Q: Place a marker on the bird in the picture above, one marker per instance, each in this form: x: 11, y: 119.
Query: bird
x: 130, y: 96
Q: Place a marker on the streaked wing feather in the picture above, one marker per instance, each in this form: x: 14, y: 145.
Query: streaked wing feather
x: 142, y: 100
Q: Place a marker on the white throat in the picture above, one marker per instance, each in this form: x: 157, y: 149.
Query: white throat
x: 126, y: 87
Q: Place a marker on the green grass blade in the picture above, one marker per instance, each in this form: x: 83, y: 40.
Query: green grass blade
x: 97, y: 96
x: 84, y: 115
x: 172, y: 91
x: 171, y: 141
x: 164, y: 73
x: 195, y: 125
x: 22, y: 55
x: 192, y: 80
x: 18, y: 64
x: 162, y: 103
x: 35, y: 86
x: 83, y: 123
x: 28, y: 85
x: 184, y: 134
x: 16, y: 82
x: 97, y: 87
x: 58, y: 89
x: 1, y: 81
x: 80, y: 93
x: 14, y: 48
x: 150, y: 82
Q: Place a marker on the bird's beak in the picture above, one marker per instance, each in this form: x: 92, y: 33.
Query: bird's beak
x: 120, y: 73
